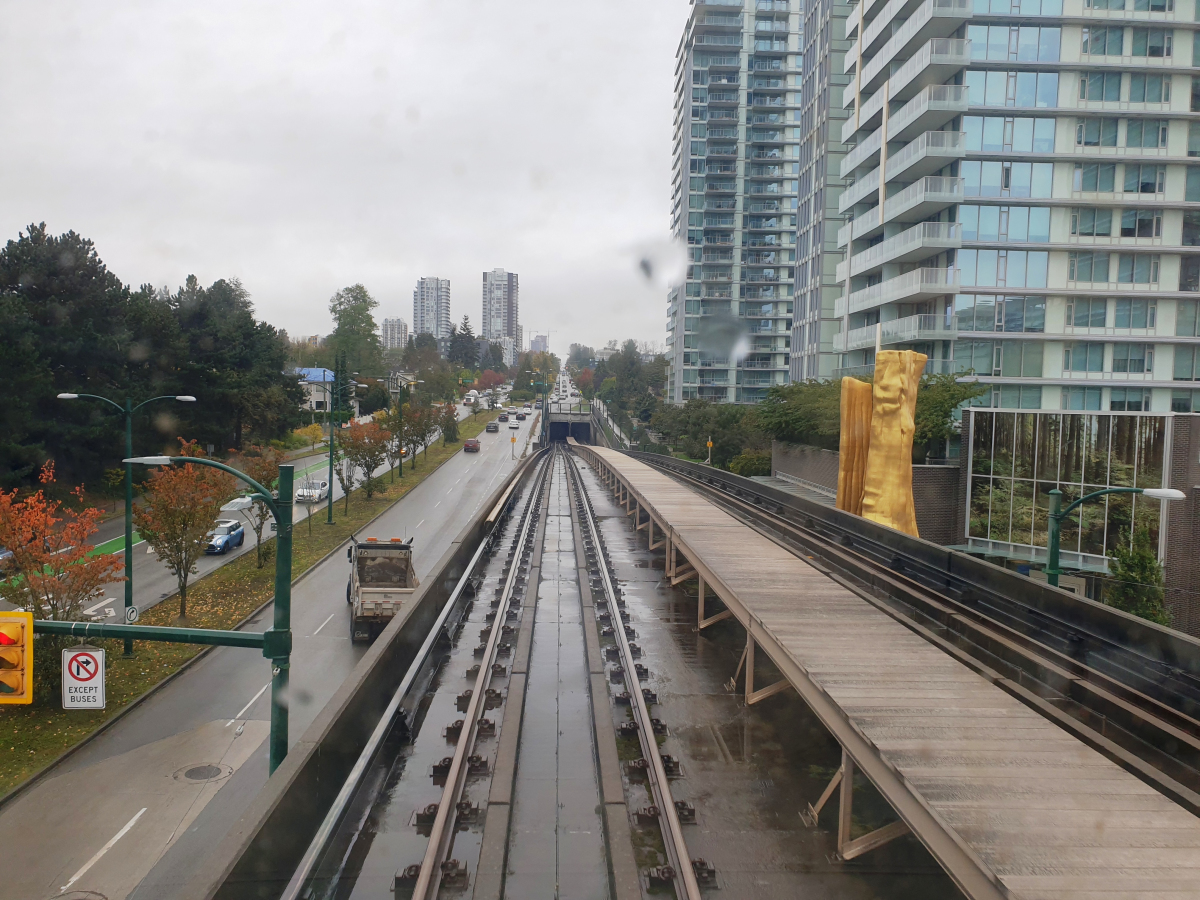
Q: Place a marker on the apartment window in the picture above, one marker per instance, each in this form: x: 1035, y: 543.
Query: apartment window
x: 1144, y: 88
x: 1100, y: 86
x: 1091, y: 222
x: 1135, y: 313
x: 699, y: 130
x: 1105, y: 4
x: 1010, y: 359
x: 1028, y: 7
x: 1103, y: 41
x: 1191, y: 189
x: 695, y: 219
x: 1097, y: 177
x: 1146, y: 133
x: 1145, y: 179
x: 1137, y: 268
x: 1087, y: 312
x: 1003, y: 268
x: 1141, y: 223
x: 1083, y: 356
x: 986, y: 312
x: 1187, y: 323
x: 1129, y: 400
x: 1185, y: 401
x: 1152, y: 42
x: 998, y: 134
x: 1191, y: 229
x: 1025, y: 224
x: 1133, y: 359
x: 1023, y: 89
x: 1021, y: 43
x: 1016, y: 396
x: 1006, y: 179
x: 1187, y: 364
x: 1096, y: 133
x: 1087, y: 266
x: 1153, y: 5
x: 1081, y: 398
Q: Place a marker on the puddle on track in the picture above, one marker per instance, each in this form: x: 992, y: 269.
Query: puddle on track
x: 748, y: 771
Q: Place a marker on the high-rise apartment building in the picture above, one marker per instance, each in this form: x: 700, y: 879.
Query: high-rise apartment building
x: 1021, y: 203
x: 539, y: 343
x: 501, y: 307
x: 394, y: 334
x: 431, y: 307
x: 734, y: 202
x: 814, y: 325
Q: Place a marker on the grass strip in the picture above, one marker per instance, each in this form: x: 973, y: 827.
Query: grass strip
x: 32, y: 737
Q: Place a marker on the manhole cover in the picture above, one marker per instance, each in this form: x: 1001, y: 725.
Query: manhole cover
x: 204, y: 772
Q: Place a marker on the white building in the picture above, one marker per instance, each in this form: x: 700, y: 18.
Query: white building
x: 1020, y: 202
x: 431, y: 307
x: 395, y: 334
x: 734, y: 190
x: 501, y: 313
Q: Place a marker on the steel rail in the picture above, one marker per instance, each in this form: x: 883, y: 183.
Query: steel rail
x: 974, y: 637
x: 686, y: 885
x: 337, y: 812
x: 430, y: 877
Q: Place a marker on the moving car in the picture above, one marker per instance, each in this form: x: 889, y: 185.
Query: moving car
x: 521, y: 417
x: 514, y: 424
x: 492, y: 427
x: 503, y: 417
x: 312, y: 491
x: 228, y: 534
x: 471, y: 445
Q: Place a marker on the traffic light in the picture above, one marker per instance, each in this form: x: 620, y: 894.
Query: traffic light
x: 16, y: 657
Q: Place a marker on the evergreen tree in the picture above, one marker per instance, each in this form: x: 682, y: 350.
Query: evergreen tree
x: 462, y: 345
x: 1136, y: 585
x: 355, y: 332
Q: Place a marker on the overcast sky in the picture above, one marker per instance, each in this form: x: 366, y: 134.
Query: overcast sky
x: 302, y: 147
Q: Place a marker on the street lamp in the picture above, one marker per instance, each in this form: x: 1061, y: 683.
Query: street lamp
x: 128, y: 409
x: 1057, y: 514
x: 277, y: 641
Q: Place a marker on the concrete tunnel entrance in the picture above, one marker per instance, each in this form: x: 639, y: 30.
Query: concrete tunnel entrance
x: 581, y: 431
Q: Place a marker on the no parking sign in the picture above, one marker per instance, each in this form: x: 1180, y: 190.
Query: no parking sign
x: 83, y: 678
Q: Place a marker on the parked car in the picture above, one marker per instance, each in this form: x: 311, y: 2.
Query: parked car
x: 312, y: 492
x: 514, y: 424
x: 503, y: 417
x: 492, y: 427
x: 228, y: 534
x: 471, y: 445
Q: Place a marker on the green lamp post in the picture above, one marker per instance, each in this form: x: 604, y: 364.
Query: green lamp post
x: 1057, y: 514
x: 277, y: 641
x: 128, y: 410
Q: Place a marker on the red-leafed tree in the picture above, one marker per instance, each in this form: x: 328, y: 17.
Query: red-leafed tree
x: 488, y: 379
x: 181, y: 506
x: 366, y: 448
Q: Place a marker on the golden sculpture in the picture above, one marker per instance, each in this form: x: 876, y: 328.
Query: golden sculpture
x: 881, y: 488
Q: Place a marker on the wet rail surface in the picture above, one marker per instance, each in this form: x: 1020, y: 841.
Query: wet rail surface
x: 739, y: 776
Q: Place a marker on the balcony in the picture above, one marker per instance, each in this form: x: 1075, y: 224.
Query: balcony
x: 764, y: 206
x: 719, y: 256
x: 865, y: 154
x: 919, y: 284
x: 879, y: 28
x: 932, y: 20
x: 760, y: 364
x: 929, y: 110
x: 720, y: 187
x: 922, y: 240
x: 923, y: 198
x: 935, y: 63
x: 731, y: 203
x: 717, y: 115
x: 857, y: 192
x: 767, y: 153
x: 932, y: 367
x: 718, y: 40
x: 898, y: 331
x: 930, y: 152
x: 721, y: 151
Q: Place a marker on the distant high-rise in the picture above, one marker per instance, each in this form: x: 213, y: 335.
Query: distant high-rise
x: 736, y: 161
x: 501, y: 306
x: 539, y: 343
x: 395, y: 334
x: 431, y: 307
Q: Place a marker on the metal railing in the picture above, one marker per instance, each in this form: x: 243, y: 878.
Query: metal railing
x: 897, y: 331
x: 918, y: 281
x: 932, y: 187
x: 950, y: 97
x: 936, y: 235
x: 935, y: 52
x: 931, y: 143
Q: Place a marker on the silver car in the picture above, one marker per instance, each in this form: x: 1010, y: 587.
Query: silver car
x: 312, y: 492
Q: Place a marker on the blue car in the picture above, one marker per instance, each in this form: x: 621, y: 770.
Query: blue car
x: 228, y: 534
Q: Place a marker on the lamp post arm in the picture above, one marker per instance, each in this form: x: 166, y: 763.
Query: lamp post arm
x: 1092, y: 496
x: 262, y: 493
x: 116, y: 406
x: 144, y: 402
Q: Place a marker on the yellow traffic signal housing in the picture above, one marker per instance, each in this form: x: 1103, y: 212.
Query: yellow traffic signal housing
x: 16, y: 657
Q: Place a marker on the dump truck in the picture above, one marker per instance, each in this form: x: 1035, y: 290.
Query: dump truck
x: 382, y: 580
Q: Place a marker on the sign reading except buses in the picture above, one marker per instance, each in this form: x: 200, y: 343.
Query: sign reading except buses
x: 83, y: 678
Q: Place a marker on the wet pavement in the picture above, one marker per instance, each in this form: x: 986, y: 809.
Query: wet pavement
x: 748, y: 771
x: 556, y: 842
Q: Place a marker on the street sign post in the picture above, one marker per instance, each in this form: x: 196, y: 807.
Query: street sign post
x: 83, y: 678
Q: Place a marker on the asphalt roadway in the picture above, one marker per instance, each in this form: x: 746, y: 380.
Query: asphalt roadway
x: 134, y: 809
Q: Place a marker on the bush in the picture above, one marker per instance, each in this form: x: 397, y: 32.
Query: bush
x: 751, y: 462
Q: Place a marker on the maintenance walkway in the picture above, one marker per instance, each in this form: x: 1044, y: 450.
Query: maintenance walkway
x: 1007, y: 802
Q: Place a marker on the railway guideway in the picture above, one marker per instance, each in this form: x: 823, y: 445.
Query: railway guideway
x: 1007, y: 802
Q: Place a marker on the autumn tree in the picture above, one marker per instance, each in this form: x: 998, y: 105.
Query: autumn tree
x: 312, y: 433
x: 448, y: 421
x: 180, y: 507
x: 261, y: 464
x: 416, y: 423
x: 365, y: 447
x: 393, y: 422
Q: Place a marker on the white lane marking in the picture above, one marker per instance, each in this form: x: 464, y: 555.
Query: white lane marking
x: 451, y: 491
x: 95, y: 859
x: 104, y: 602
x: 261, y: 690
x: 323, y: 624
x: 458, y: 480
x: 436, y: 505
x: 419, y: 524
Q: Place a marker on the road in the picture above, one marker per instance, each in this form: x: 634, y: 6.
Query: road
x: 153, y: 582
x: 129, y: 814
